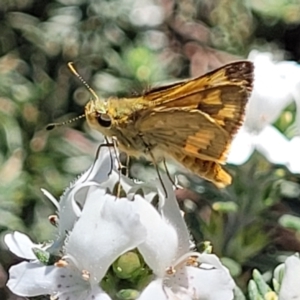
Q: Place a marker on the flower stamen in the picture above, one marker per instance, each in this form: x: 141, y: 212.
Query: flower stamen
x: 85, y: 275
x: 188, y: 259
x: 61, y: 263
x: 53, y: 219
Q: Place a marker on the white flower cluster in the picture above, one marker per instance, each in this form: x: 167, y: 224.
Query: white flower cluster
x: 95, y: 228
x: 276, y: 85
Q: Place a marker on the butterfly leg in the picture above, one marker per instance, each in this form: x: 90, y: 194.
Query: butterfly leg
x: 148, y: 151
x: 158, y: 173
x: 120, y: 166
x: 126, y: 167
x: 168, y: 173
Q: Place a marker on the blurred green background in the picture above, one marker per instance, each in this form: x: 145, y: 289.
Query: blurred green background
x: 120, y: 48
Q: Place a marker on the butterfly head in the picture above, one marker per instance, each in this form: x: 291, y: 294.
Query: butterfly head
x: 98, y: 117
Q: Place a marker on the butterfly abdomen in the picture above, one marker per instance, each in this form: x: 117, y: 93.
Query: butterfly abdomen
x: 208, y: 170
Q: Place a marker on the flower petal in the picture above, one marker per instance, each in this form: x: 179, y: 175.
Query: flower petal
x: 271, y: 92
x: 20, y: 244
x: 102, y: 167
x: 30, y: 279
x: 293, y: 155
x: 156, y: 290
x: 241, y: 148
x: 290, y: 283
x: 208, y: 282
x: 33, y: 279
x: 171, y: 214
x: 104, y: 232
x: 273, y: 145
x: 160, y: 247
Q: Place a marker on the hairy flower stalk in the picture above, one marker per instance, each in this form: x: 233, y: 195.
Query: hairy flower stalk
x: 110, y: 247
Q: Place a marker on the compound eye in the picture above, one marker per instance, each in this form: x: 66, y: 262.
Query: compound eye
x: 104, y: 120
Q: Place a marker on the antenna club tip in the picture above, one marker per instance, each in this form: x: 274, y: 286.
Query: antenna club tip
x: 50, y: 126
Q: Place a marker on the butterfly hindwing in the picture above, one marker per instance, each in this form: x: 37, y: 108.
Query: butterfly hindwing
x: 191, y: 132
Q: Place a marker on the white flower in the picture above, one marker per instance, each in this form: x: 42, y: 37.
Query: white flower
x: 99, y: 228
x: 272, y: 90
x: 34, y: 278
x: 166, y: 251
x: 30, y: 279
x: 102, y: 234
x: 293, y: 158
x: 21, y: 245
x: 269, y: 142
x: 275, y: 86
x: 290, y: 284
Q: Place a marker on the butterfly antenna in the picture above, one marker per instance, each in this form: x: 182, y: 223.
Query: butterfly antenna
x: 73, y: 70
x: 53, y: 125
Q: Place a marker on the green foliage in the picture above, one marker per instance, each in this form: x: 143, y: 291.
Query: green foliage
x: 259, y: 289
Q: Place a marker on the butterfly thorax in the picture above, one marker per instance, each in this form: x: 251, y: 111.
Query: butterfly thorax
x: 117, y: 117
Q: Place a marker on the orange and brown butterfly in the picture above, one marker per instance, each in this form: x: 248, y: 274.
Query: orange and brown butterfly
x: 192, y: 122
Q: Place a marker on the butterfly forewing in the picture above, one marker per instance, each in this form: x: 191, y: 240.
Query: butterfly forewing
x: 235, y: 74
x: 221, y: 94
